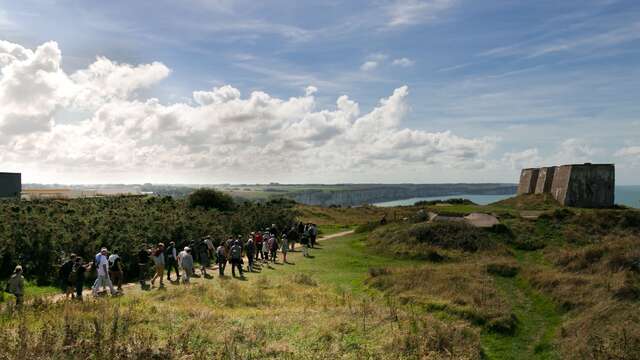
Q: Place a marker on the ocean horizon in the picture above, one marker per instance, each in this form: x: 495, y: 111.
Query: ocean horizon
x: 627, y: 195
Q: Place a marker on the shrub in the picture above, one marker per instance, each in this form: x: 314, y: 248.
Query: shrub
x: 210, y: 199
x: 452, y: 235
x: 367, y: 227
x: 503, y: 269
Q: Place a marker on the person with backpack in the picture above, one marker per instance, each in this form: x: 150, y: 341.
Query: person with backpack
x: 158, y: 261
x: 143, y: 267
x: 285, y: 248
x: 65, y: 271
x: 77, y: 276
x: 221, y: 258
x: 15, y: 285
x: 313, y: 234
x: 203, y: 252
x: 103, y: 280
x: 186, y: 263
x: 250, y: 250
x: 116, y: 270
x: 172, y: 261
x: 304, y: 240
x: 236, y: 258
x: 293, y: 237
x: 273, y: 248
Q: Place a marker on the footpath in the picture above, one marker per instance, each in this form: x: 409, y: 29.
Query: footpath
x: 212, y: 272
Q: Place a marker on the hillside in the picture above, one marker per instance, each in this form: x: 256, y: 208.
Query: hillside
x: 563, y: 284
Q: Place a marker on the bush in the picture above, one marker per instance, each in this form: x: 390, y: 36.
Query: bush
x: 366, y: 227
x: 452, y: 235
x: 210, y: 199
x: 503, y: 269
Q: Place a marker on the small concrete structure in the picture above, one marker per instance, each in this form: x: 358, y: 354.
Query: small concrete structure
x: 482, y: 220
x: 10, y: 185
x: 579, y: 185
x: 528, y: 180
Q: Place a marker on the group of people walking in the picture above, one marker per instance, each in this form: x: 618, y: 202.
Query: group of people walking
x: 260, y: 246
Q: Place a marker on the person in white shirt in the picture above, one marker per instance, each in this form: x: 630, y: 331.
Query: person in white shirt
x: 103, y: 280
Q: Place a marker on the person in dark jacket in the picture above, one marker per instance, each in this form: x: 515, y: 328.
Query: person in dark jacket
x: 143, y: 266
x: 172, y: 260
x: 65, y: 271
x: 221, y: 258
x: 78, y: 275
x: 293, y: 237
x: 236, y: 258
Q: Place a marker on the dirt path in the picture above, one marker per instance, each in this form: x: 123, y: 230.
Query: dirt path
x: 211, y: 271
x: 538, y: 320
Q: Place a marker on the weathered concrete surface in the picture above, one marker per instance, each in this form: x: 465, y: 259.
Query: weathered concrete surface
x: 584, y: 185
x: 481, y: 220
x: 528, y: 180
x: 10, y: 185
x: 545, y: 180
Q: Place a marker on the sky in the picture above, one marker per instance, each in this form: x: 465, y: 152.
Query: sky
x: 381, y: 91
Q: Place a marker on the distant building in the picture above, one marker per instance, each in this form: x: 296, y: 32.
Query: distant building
x: 10, y: 185
x: 69, y: 193
x: 579, y: 185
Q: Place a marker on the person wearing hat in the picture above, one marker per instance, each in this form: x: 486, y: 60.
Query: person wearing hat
x: 186, y: 263
x: 15, y: 285
x: 103, y: 280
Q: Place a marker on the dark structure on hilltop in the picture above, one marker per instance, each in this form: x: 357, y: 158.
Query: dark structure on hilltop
x: 10, y: 185
x: 580, y: 185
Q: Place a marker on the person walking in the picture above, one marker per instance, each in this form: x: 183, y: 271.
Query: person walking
x: 313, y: 234
x: 236, y: 258
x: 203, y: 252
x: 273, y: 247
x: 172, y: 261
x: 116, y: 270
x: 103, y: 280
x: 77, y: 276
x: 250, y: 250
x: 143, y: 267
x: 221, y: 258
x: 65, y: 272
x: 257, y: 239
x: 285, y: 248
x: 186, y: 263
x: 304, y: 240
x: 293, y: 237
x: 15, y: 285
x: 265, y: 248
x: 158, y: 261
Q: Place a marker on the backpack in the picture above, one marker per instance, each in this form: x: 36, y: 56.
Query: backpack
x: 73, y: 275
x: 236, y: 252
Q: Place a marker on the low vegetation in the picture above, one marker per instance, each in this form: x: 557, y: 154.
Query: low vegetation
x: 38, y: 234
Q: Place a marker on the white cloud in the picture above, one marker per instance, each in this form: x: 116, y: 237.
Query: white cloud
x: 220, y: 132
x: 411, y: 12
x: 629, y: 151
x: 404, y: 62
x: 369, y: 65
x: 523, y: 159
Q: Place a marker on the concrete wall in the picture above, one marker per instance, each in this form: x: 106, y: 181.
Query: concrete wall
x: 10, y: 185
x: 545, y: 180
x: 591, y: 185
x: 560, y: 183
x: 528, y: 179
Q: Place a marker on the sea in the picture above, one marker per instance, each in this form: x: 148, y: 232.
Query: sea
x: 628, y: 195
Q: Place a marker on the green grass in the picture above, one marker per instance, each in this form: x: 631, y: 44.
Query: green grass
x: 342, y: 262
x: 31, y: 291
x: 538, y: 319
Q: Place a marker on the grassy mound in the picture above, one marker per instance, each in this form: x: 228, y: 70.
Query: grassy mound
x: 529, y: 202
